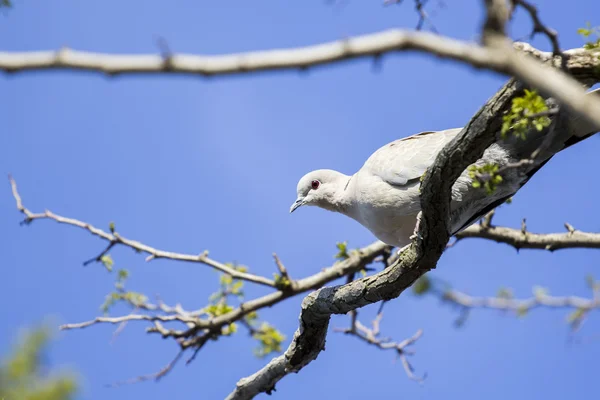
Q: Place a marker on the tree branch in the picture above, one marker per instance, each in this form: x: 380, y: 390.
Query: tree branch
x: 199, y: 329
x: 504, y: 301
x: 498, y: 56
x: 420, y: 257
x: 300, y: 58
x: 371, y: 336
x: 523, y: 305
x: 357, y: 261
x: 417, y: 259
x: 527, y: 240
x: 538, y: 26
x: 114, y: 239
x: 130, y: 317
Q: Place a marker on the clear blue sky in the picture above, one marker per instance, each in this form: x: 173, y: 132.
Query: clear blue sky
x: 188, y: 164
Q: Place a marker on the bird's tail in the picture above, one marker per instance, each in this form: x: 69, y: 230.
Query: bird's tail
x: 570, y: 129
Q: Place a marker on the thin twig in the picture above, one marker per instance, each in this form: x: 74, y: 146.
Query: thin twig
x: 371, y: 336
x: 116, y: 238
x: 539, y: 27
x: 524, y: 239
x: 130, y: 317
x: 155, y: 376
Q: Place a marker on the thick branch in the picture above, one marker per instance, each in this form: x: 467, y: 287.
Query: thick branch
x: 527, y: 240
x: 498, y: 57
x: 364, y: 46
x: 369, y: 45
x: 417, y: 259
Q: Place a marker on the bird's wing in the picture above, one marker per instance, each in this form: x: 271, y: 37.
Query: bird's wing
x: 407, y: 159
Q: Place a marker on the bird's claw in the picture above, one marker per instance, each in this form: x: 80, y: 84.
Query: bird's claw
x: 401, y: 250
x: 416, y: 234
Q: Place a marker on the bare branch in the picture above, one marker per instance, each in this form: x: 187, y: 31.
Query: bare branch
x: 285, y: 277
x: 528, y: 240
x: 487, y: 219
x: 497, y: 55
x: 504, y: 301
x: 115, y: 239
x: 521, y: 306
x: 495, y: 19
x: 102, y: 254
x: 357, y: 261
x: 420, y: 9
x: 155, y: 376
x: 371, y: 336
x: 539, y: 27
x: 130, y: 317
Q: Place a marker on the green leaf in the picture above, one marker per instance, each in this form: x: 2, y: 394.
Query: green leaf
x: 539, y: 291
x: 522, y: 311
x: 225, y: 279
x: 281, y: 282
x: 576, y: 316
x: 584, y: 32
x: 216, y: 296
x: 122, y: 274
x: 421, y: 286
x: 217, y: 310
x: 518, y: 120
x: 589, y: 31
x: 111, y: 226
x: 342, y: 253
x: 135, y: 298
x: 592, y: 45
x: 241, y: 268
x: 109, y: 301
x: 236, y: 287
x: 269, y: 340
x: 252, y: 316
x: 107, y: 261
x: 24, y: 375
x: 485, y: 176
x: 229, y: 329
x: 505, y: 293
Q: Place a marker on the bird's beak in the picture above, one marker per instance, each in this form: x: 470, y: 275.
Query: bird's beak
x: 299, y: 202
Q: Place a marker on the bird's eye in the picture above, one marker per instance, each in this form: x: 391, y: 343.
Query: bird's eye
x: 315, y: 184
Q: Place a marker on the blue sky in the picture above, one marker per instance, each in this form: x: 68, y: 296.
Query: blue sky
x: 188, y: 164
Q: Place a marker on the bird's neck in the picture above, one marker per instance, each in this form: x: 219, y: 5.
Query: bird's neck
x: 342, y: 200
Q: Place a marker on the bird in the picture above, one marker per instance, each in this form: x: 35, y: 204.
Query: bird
x: 383, y: 195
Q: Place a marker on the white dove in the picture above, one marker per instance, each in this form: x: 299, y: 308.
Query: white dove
x: 383, y: 195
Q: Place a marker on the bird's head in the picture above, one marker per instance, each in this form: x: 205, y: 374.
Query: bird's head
x: 322, y: 188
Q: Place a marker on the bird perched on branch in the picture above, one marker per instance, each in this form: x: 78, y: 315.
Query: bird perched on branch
x: 383, y: 195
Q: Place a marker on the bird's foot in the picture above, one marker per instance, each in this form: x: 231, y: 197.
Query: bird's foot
x: 401, y: 250
x: 416, y: 234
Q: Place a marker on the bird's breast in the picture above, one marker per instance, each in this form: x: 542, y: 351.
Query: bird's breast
x: 389, y: 212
